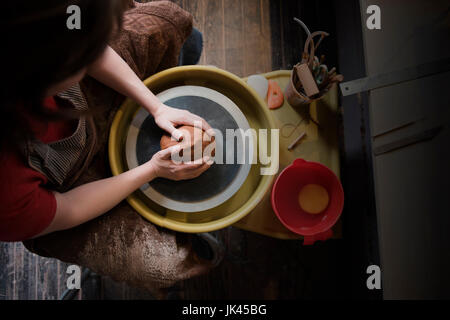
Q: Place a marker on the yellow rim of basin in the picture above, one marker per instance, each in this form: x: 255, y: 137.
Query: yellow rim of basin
x: 116, y: 162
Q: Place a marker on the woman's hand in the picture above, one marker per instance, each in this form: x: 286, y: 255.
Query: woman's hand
x: 163, y: 167
x: 168, y: 118
x: 113, y: 71
x: 90, y: 200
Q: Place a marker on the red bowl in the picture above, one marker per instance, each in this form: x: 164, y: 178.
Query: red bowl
x: 285, y: 200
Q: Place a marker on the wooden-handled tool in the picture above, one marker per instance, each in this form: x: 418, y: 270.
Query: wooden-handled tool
x: 293, y: 144
x: 307, y: 80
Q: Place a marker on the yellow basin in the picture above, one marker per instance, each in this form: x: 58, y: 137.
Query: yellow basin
x: 255, y: 186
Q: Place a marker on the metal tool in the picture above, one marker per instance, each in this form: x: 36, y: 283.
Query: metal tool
x: 293, y: 144
x: 391, y: 78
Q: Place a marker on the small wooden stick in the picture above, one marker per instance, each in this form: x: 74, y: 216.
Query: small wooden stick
x: 337, y: 78
x: 307, y: 80
x: 322, y: 59
x: 293, y: 144
x: 332, y: 71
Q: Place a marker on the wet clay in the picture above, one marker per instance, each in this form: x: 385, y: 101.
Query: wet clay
x: 192, y: 138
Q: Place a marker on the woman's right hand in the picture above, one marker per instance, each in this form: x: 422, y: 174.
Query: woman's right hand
x: 90, y: 200
x: 163, y: 167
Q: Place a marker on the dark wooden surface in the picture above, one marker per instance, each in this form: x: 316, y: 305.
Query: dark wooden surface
x: 244, y: 37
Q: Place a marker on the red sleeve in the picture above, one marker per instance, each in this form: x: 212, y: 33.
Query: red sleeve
x: 26, y: 207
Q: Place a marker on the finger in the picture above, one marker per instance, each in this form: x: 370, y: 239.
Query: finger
x: 199, y: 171
x: 209, y: 161
x: 166, y: 154
x: 191, y: 166
x: 194, y: 121
x: 205, y: 125
x: 211, y: 133
x: 202, y: 161
x: 169, y: 128
x: 177, y: 134
x: 194, y: 165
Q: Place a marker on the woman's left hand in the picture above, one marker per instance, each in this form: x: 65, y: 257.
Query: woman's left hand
x: 113, y: 71
x: 168, y: 118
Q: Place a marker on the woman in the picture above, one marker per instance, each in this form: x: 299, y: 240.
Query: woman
x: 56, y: 109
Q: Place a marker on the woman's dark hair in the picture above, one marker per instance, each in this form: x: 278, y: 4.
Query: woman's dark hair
x: 38, y: 50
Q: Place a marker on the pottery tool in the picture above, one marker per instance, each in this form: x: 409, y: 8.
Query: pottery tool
x: 322, y: 59
x: 332, y: 72
x: 395, y: 77
x: 291, y: 125
x: 275, y: 98
x: 307, y: 80
x: 293, y: 144
x: 311, y: 84
x: 321, y: 74
x: 300, y: 22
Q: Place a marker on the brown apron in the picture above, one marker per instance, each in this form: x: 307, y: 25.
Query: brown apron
x: 120, y: 243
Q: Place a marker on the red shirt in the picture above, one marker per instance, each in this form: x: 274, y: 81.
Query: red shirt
x: 26, y: 207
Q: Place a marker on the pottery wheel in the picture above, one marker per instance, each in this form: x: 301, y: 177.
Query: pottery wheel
x: 217, y: 184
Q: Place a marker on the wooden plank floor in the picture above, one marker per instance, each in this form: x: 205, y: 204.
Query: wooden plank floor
x: 243, y: 37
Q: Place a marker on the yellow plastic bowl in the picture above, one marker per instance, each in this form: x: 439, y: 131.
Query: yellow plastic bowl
x: 255, y: 186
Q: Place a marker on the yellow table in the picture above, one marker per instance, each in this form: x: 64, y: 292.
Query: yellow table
x: 320, y: 145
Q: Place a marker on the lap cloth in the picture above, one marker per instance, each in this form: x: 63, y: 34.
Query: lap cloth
x: 121, y: 244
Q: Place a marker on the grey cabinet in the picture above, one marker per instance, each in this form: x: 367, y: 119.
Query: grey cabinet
x: 412, y: 183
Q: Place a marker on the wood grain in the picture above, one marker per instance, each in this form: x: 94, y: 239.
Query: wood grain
x: 213, y: 33
x: 4, y: 273
x: 234, y: 37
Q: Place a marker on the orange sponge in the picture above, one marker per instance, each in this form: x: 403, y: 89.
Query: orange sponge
x: 275, y: 98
